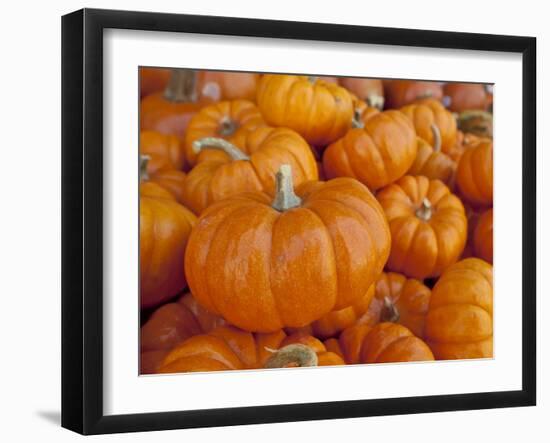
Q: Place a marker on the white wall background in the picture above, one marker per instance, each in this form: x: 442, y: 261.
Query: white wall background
x: 30, y: 219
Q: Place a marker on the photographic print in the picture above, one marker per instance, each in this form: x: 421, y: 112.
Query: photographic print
x: 293, y: 220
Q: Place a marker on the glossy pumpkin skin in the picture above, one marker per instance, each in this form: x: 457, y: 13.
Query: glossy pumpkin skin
x: 428, y: 226
x: 263, y: 270
x: 331, y: 324
x: 371, y: 90
x: 483, y: 236
x: 377, y: 154
x: 230, y: 120
x: 164, y: 151
x: 474, y: 175
x: 459, y: 323
x: 432, y: 163
x: 152, y: 80
x: 400, y: 93
x: 229, y: 348
x: 220, y: 85
x: 461, y: 97
x: 319, y: 111
x: 164, y: 229
x: 267, y: 149
x: 392, y: 342
x: 170, y: 325
x: 399, y: 299
x: 427, y: 112
x: 170, y: 111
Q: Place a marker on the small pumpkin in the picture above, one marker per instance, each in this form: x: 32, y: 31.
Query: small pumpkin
x: 474, y: 175
x: 164, y: 229
x: 399, y: 299
x: 399, y: 93
x: 164, y: 151
x: 223, y: 85
x: 169, y: 112
x: 229, y: 348
x: 460, y: 97
x: 267, y: 263
x: 152, y: 80
x: 431, y: 162
x: 371, y: 90
x: 319, y: 111
x: 483, y: 236
x: 392, y: 342
x: 376, y: 154
x: 169, y: 325
x: 428, y: 226
x: 427, y: 113
x: 251, y: 168
x: 170, y: 180
x: 459, y: 323
x: 230, y: 120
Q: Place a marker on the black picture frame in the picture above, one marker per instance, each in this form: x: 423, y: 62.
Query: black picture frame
x: 82, y: 219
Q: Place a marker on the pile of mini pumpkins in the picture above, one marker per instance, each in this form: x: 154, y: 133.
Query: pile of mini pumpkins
x: 290, y: 221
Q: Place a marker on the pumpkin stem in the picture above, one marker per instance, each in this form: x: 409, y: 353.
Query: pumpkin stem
x: 356, y: 122
x: 285, y: 198
x: 227, y: 127
x: 182, y: 86
x: 219, y: 143
x: 294, y: 355
x: 375, y: 101
x: 389, y: 311
x: 476, y: 122
x: 312, y: 78
x: 437, y: 137
x: 143, y: 161
x: 425, y: 211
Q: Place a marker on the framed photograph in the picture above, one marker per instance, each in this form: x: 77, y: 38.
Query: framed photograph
x: 269, y: 221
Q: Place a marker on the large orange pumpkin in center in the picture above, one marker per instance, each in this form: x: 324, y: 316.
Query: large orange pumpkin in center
x: 267, y: 263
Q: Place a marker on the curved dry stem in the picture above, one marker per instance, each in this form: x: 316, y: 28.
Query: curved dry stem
x: 437, y: 137
x: 221, y: 145
x: 182, y: 86
x: 425, y: 211
x: 375, y: 101
x: 389, y: 311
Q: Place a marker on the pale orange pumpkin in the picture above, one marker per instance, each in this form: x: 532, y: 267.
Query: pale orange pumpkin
x: 431, y: 162
x: 474, y: 175
x: 483, y: 236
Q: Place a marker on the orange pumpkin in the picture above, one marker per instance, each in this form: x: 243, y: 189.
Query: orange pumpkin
x: 361, y: 113
x: 371, y: 90
x: 400, y: 93
x: 459, y: 323
x: 222, y: 85
x: 392, y: 342
x: 319, y: 111
x: 400, y: 300
x: 229, y: 348
x: 169, y: 325
x: 428, y: 226
x: 483, y: 236
x: 152, y: 80
x: 331, y: 324
x: 474, y: 175
x: 254, y: 167
x: 164, y: 151
x: 265, y: 264
x: 431, y: 162
x: 377, y: 154
x: 169, y: 112
x: 460, y: 97
x: 164, y: 228
x: 230, y: 120
x: 384, y: 343
x: 170, y: 180
x: 427, y: 114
